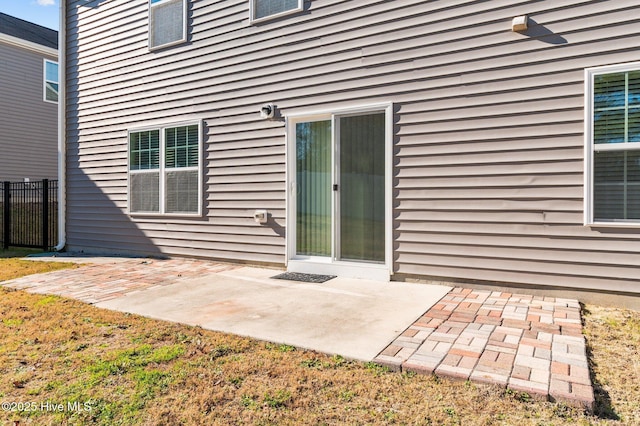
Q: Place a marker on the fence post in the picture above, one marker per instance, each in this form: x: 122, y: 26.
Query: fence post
x: 45, y: 214
x: 7, y: 215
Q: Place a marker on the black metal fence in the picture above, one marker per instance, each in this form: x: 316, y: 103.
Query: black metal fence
x: 29, y: 214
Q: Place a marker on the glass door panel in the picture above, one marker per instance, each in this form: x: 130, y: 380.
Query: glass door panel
x: 313, y: 188
x: 361, y: 147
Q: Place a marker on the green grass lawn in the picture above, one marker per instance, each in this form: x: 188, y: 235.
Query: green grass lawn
x: 12, y: 266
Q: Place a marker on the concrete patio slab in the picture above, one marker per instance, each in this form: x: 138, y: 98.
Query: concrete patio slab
x: 352, y: 318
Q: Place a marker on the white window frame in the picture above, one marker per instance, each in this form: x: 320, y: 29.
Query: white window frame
x: 252, y: 9
x: 590, y: 147
x: 45, y: 81
x: 163, y: 170
x: 184, y: 26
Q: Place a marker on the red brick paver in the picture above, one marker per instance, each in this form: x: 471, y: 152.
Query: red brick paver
x: 95, y: 283
x: 529, y: 344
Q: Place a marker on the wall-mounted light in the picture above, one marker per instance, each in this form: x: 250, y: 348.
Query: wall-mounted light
x: 268, y: 111
x: 520, y: 23
x: 261, y: 216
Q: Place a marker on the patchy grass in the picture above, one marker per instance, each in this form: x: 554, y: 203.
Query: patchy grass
x: 11, y: 266
x: 613, y: 338
x: 65, y: 362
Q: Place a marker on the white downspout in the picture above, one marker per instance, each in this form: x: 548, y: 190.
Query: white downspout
x: 62, y: 145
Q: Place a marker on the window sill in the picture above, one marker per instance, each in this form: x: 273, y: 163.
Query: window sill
x: 167, y: 45
x: 617, y: 224
x: 170, y: 215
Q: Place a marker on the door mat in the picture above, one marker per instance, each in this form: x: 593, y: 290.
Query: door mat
x: 307, y: 278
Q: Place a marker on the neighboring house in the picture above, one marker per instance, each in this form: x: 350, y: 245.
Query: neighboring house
x: 28, y: 100
x: 409, y: 140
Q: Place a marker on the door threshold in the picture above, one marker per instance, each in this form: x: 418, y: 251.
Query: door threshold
x: 365, y: 271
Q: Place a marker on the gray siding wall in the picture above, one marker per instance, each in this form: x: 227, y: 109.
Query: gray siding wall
x: 28, y: 124
x: 488, y: 174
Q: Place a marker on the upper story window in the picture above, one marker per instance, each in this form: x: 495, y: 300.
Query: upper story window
x: 613, y: 144
x: 167, y: 23
x: 165, y: 172
x: 267, y: 9
x: 51, y: 81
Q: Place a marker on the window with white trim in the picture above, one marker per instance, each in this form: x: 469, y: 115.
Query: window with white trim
x: 165, y: 174
x: 51, y: 81
x: 167, y: 23
x: 267, y: 9
x: 613, y: 144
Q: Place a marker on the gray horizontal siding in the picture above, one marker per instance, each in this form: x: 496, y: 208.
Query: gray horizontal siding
x: 28, y: 124
x: 488, y: 176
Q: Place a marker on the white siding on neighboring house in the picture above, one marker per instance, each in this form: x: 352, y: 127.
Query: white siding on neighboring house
x: 488, y: 136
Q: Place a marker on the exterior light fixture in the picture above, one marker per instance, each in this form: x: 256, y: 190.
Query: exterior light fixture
x: 519, y: 23
x: 261, y: 216
x: 268, y: 111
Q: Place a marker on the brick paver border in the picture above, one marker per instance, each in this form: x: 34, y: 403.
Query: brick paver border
x: 526, y: 343
x: 95, y: 283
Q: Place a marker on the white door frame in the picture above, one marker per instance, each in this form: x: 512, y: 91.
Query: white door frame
x: 331, y: 265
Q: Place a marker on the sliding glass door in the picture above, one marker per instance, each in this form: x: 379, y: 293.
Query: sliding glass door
x: 340, y: 188
x: 361, y: 187
x: 313, y: 188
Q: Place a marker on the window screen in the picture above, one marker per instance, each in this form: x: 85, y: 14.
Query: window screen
x: 167, y: 23
x: 265, y: 8
x: 182, y: 191
x: 145, y: 192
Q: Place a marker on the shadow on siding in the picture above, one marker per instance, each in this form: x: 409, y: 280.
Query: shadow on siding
x: 543, y: 34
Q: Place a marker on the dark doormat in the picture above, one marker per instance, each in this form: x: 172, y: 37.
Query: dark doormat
x: 307, y: 278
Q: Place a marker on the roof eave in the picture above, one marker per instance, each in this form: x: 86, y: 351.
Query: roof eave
x: 35, y: 47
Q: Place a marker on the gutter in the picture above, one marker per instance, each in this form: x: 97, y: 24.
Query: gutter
x: 62, y: 144
x: 24, y: 44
